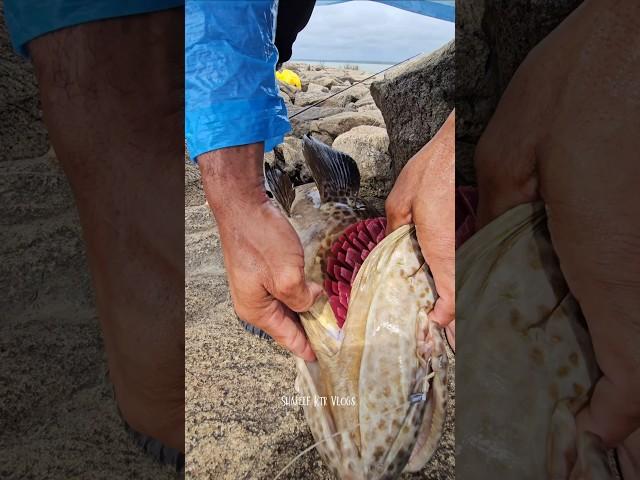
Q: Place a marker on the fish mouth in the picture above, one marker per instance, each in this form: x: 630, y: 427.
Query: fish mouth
x: 344, y: 259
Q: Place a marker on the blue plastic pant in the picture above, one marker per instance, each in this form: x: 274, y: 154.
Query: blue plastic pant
x: 231, y: 92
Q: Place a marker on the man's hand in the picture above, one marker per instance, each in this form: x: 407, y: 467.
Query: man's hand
x: 262, y: 253
x: 424, y: 194
x: 566, y: 132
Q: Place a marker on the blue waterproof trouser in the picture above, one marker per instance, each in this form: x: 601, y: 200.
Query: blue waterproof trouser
x: 231, y: 92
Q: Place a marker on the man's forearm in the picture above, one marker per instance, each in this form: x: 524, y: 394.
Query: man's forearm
x: 233, y: 177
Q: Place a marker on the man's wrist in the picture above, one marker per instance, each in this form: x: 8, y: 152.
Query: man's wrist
x: 233, y: 176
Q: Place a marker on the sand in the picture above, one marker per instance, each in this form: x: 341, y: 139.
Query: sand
x: 58, y: 418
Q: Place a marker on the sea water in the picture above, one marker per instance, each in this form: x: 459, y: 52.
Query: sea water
x: 362, y: 66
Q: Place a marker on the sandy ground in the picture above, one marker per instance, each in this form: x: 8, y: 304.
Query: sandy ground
x: 58, y: 419
x: 236, y: 424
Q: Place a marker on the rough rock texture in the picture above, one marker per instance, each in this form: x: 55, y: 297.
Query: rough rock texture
x: 492, y: 38
x: 308, y: 98
x: 366, y: 101
x: 327, y: 82
x: 415, y: 101
x: 300, y: 123
x: 315, y: 93
x: 368, y: 146
x: 58, y: 418
x: 343, y: 122
x: 316, y: 88
x: 357, y: 92
x: 351, y: 107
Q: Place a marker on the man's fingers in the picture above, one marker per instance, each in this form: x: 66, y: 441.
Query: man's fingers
x: 286, y: 330
x: 395, y: 220
x: 438, y: 248
x: 443, y: 311
x: 613, y: 412
x: 398, y: 210
x: 450, y: 330
x: 296, y: 293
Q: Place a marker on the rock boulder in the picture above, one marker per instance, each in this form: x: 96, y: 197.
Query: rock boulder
x: 343, y: 122
x: 300, y: 123
x: 415, y: 101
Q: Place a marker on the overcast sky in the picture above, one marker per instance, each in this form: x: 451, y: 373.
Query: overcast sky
x: 367, y: 31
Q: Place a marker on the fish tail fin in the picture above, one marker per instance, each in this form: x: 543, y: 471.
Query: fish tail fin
x: 280, y: 185
x: 336, y: 174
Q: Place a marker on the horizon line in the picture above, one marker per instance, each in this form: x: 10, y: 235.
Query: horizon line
x: 390, y: 62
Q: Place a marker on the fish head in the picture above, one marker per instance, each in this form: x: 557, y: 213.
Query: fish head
x: 378, y: 388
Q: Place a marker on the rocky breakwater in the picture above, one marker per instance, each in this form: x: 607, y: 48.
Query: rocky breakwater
x: 349, y: 120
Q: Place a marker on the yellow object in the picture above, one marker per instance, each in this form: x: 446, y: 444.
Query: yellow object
x: 290, y: 77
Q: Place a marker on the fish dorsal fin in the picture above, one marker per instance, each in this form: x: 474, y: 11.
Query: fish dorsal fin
x: 279, y: 156
x: 280, y: 185
x: 336, y: 174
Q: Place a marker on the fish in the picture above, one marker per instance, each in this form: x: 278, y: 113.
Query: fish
x: 377, y: 393
x: 529, y: 365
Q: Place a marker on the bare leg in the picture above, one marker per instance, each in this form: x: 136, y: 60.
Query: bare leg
x: 112, y: 96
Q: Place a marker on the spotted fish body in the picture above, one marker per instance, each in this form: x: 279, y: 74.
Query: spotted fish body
x: 387, y: 353
x: 529, y: 365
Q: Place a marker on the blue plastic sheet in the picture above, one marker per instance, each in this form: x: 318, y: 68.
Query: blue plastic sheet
x: 29, y: 19
x: 231, y: 93
x: 441, y: 9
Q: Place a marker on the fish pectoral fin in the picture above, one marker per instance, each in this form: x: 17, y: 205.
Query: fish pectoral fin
x: 280, y: 185
x: 336, y: 174
x: 432, y: 425
x: 321, y: 328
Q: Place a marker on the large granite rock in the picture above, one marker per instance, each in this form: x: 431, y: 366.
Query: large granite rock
x: 493, y: 37
x: 316, y: 88
x: 343, y: 122
x: 366, y: 101
x: 415, y: 101
x: 304, y: 99
x: 300, y: 123
x: 368, y: 146
x: 327, y: 82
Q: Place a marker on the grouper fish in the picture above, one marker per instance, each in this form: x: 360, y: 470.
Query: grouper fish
x: 377, y: 392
